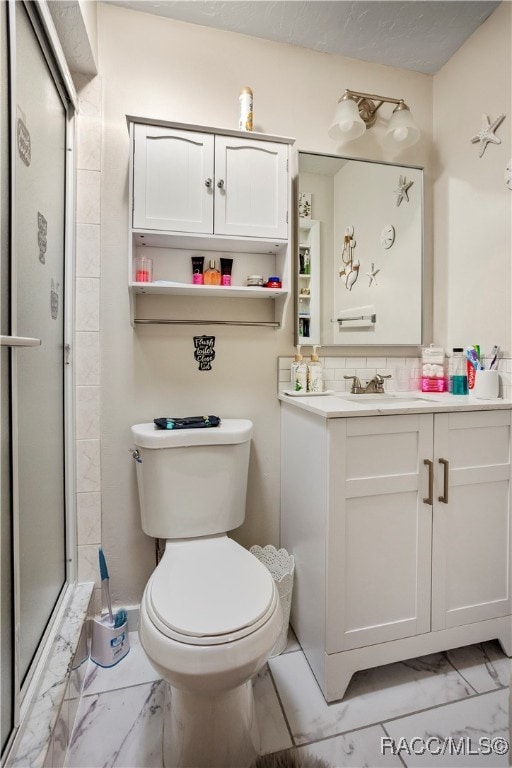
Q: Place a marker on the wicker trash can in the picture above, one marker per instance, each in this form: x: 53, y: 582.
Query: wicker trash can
x: 281, y: 566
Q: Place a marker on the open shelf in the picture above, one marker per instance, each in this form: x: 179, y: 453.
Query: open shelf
x: 173, y: 288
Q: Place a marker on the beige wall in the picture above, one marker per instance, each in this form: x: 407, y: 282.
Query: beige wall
x: 473, y: 207
x: 158, y: 68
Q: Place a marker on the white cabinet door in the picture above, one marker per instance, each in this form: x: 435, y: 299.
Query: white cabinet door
x: 380, y: 530
x: 471, y: 572
x: 251, y: 188
x: 173, y: 177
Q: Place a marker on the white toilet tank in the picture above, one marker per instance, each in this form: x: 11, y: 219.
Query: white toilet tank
x: 192, y: 482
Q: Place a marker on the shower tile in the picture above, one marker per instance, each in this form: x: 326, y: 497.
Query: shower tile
x: 89, y: 518
x: 121, y: 729
x: 373, y: 695
x: 88, y: 250
x: 87, y: 406
x: 87, y: 310
x: 88, y: 209
x: 89, y: 143
x: 462, y: 725
x: 89, y: 94
x: 87, y: 465
x: 88, y: 563
x: 87, y: 359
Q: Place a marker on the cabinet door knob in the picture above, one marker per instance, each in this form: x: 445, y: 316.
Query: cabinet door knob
x: 446, y: 469
x: 208, y: 183
x: 430, y: 465
x: 220, y: 183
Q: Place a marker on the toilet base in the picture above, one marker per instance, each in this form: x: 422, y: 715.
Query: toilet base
x: 202, y: 731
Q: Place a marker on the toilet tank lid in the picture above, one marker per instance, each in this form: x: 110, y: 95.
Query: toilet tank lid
x: 229, y: 432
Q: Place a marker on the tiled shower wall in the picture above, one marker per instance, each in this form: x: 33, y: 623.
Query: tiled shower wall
x: 404, y: 371
x: 87, y: 329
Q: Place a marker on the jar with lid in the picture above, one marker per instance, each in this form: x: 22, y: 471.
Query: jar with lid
x: 458, y: 372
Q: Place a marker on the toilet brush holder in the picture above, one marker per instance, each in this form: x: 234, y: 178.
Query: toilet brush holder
x: 109, y: 644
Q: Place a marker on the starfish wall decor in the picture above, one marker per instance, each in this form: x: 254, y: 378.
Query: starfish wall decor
x: 486, y: 135
x: 402, y: 190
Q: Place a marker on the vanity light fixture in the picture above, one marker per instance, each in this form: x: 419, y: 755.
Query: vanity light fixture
x: 357, y: 111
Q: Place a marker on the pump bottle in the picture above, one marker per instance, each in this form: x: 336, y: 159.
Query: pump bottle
x: 315, y: 373
x: 299, y: 373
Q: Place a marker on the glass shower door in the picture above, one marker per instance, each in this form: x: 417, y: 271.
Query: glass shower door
x: 35, y: 118
x: 6, y: 576
x: 38, y: 290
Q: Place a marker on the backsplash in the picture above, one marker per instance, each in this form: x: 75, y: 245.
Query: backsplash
x: 404, y: 372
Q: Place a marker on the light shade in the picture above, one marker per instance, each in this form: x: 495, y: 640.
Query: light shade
x: 347, y: 124
x: 402, y: 131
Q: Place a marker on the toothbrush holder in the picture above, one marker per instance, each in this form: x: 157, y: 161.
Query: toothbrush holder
x: 486, y: 384
x: 109, y: 644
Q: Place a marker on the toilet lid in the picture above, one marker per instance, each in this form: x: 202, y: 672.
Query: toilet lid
x: 209, y: 591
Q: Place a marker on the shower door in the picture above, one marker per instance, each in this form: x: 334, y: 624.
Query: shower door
x: 33, y: 349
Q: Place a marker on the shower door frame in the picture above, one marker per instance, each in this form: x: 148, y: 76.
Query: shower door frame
x: 46, y: 35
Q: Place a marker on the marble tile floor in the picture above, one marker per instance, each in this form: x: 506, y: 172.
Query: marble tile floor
x: 401, y: 714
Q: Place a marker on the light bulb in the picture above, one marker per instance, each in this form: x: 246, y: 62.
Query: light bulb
x: 400, y: 134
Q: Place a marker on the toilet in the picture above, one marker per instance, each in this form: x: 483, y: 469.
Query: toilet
x: 210, y: 613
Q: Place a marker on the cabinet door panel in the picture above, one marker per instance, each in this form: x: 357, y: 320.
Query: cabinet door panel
x: 170, y: 180
x: 471, y: 539
x: 379, y: 547
x: 252, y: 198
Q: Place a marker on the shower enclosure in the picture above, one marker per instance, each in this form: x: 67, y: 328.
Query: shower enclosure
x: 35, y: 378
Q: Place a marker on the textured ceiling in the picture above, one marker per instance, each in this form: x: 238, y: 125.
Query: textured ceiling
x: 419, y: 35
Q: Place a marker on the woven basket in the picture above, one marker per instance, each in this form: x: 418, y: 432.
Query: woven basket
x: 281, y: 566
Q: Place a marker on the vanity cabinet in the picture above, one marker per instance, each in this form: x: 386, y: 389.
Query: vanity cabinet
x: 200, y: 191
x: 401, y: 535
x: 191, y: 181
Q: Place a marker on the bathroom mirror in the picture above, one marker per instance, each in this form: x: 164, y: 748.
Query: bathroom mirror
x: 359, y: 259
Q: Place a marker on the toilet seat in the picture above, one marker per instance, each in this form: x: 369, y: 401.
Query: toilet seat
x: 209, y: 591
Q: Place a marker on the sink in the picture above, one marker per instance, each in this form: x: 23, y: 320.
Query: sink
x: 386, y: 397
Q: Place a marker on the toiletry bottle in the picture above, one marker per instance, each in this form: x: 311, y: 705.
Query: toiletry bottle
x: 315, y: 373
x: 458, y: 372
x: 197, y: 270
x: 299, y: 373
x: 226, y: 266
x: 246, y: 101
x: 212, y: 275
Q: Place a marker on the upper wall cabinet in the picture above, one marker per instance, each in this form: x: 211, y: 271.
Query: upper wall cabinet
x: 198, y: 182
x: 199, y: 191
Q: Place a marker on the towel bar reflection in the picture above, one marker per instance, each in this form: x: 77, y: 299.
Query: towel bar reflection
x: 341, y: 320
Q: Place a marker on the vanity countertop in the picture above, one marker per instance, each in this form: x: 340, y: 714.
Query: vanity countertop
x: 343, y: 405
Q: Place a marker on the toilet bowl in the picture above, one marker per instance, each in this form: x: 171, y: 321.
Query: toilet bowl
x: 209, y: 618
x: 210, y: 613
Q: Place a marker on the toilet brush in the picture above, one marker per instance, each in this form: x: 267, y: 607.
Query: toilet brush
x: 105, y: 584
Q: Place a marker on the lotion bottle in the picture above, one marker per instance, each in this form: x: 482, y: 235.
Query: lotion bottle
x: 315, y: 373
x: 299, y: 373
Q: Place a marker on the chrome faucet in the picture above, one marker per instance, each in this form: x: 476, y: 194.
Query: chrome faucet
x: 374, y: 386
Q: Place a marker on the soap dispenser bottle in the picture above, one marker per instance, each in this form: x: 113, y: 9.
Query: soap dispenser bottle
x: 315, y: 373
x: 299, y: 373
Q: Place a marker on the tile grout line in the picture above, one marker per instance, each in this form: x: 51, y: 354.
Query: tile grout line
x: 382, y: 723
x: 285, y: 717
